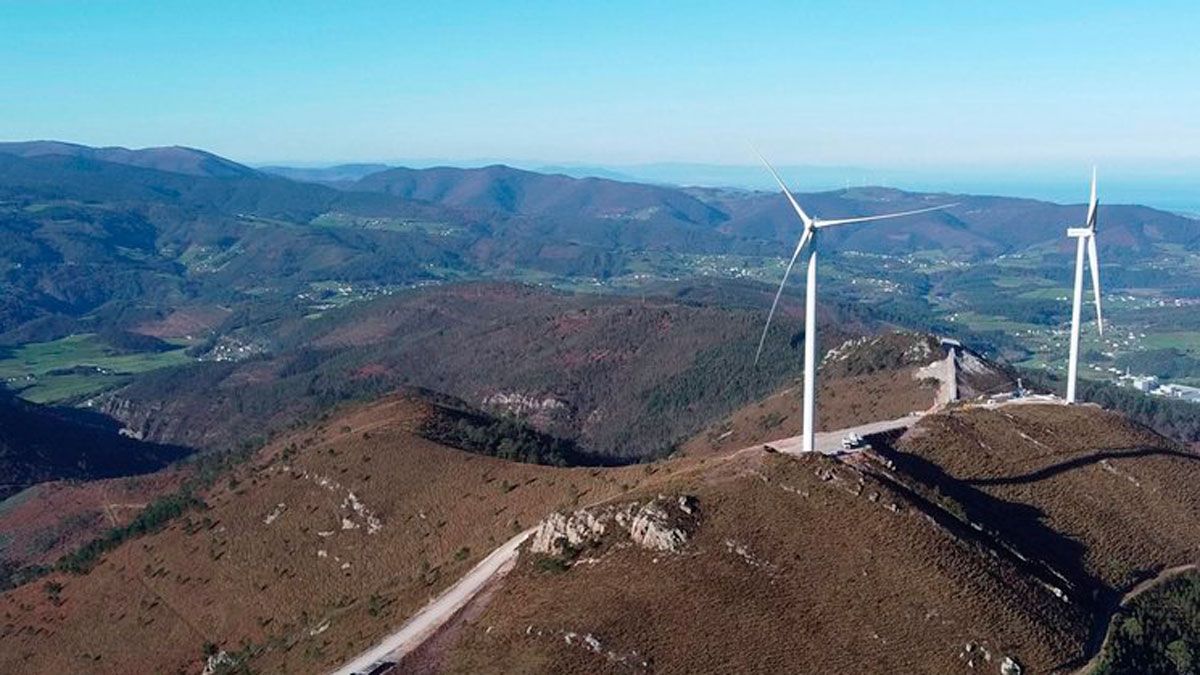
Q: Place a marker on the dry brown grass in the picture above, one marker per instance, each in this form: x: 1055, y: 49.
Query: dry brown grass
x: 843, y: 402
x: 185, y: 322
x: 840, y: 569
x: 59, y: 516
x: 1104, y: 500
x: 842, y: 575
x: 228, y: 577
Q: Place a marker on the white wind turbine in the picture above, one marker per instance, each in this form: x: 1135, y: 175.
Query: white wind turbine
x: 1086, y: 236
x: 809, y: 238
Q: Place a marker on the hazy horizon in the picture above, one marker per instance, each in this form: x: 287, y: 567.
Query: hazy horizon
x: 1020, y: 99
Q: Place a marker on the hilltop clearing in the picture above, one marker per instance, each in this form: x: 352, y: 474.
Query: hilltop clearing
x: 1015, y: 547
x: 863, y: 379
x: 796, y: 564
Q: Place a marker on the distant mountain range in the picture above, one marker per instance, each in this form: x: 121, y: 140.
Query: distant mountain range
x: 515, y: 192
x: 92, y: 233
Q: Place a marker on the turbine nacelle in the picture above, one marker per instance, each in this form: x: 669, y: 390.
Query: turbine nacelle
x: 811, y: 225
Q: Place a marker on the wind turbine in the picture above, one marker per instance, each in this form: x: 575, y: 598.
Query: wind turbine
x: 809, y: 238
x: 1085, y: 236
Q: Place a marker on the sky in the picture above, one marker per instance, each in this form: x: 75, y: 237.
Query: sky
x: 913, y: 88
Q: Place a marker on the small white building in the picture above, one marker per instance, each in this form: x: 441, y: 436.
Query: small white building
x: 1180, y: 391
x: 1145, y: 383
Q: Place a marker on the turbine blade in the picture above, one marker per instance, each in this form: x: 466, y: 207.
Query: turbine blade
x: 1092, y: 204
x: 804, y: 239
x: 863, y: 219
x: 1094, y: 263
x: 808, y: 222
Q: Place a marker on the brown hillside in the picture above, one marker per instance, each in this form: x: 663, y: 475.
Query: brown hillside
x: 327, y: 540
x: 798, y: 565
x: 1103, y: 500
x: 48, y: 520
x: 844, y: 402
x: 865, y: 379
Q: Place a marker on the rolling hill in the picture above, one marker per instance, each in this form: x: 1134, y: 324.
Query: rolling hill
x: 90, y: 243
x: 981, y: 537
x: 621, y: 377
x: 174, y: 159
x: 973, y: 544
x: 516, y: 192
x: 306, y: 553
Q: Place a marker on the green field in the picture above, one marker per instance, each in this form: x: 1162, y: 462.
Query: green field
x: 1048, y: 293
x: 75, y: 366
x: 387, y: 224
x: 1183, y: 341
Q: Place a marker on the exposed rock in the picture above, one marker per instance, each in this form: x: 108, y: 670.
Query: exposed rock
x: 538, y: 410
x: 559, y: 531
x: 222, y: 661
x: 661, y: 524
x: 1009, y: 666
x: 654, y: 528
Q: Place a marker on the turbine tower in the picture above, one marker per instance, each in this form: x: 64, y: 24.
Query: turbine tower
x: 1086, y: 237
x: 809, y: 238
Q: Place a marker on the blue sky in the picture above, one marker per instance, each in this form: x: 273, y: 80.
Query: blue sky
x: 929, y: 86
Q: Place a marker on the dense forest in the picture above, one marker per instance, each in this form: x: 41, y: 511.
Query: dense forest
x: 1158, y: 633
x: 1171, y: 417
x: 503, y: 437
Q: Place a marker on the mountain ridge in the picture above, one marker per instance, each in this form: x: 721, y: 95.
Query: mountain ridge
x: 173, y: 158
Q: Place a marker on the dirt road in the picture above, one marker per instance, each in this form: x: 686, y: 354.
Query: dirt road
x: 435, y: 614
x: 830, y: 442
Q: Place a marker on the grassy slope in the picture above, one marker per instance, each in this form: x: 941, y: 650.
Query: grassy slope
x: 843, y: 583
x: 226, y: 576
x: 43, y: 522
x: 837, y: 573
x: 1105, y: 501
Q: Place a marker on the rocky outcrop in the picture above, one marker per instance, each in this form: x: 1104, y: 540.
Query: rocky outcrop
x: 661, y: 524
x: 541, y: 412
